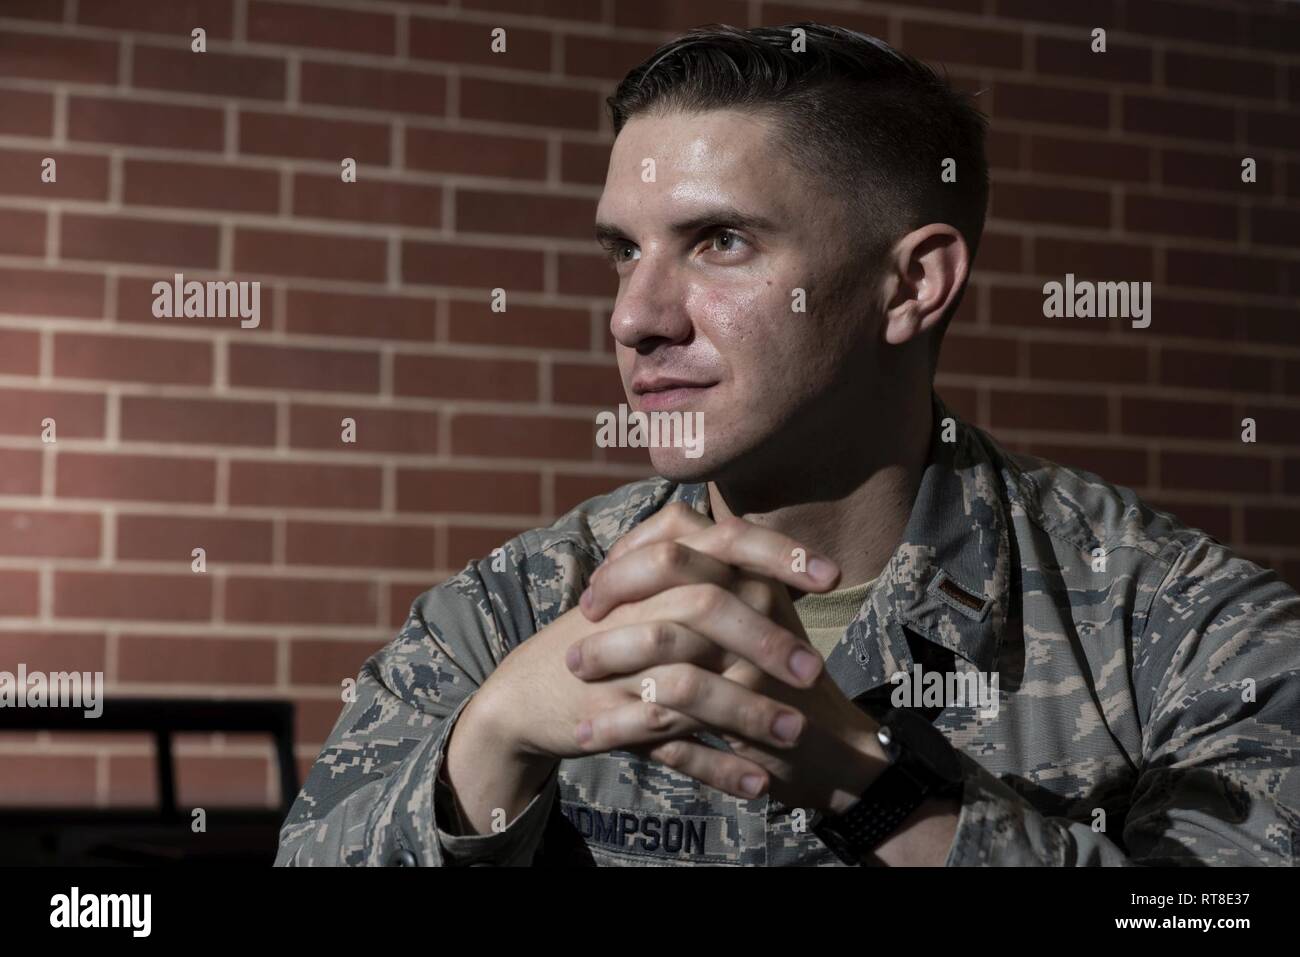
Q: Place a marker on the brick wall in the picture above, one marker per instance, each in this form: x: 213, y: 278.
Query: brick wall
x: 481, y: 170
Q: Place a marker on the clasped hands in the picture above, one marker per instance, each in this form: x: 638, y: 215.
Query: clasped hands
x: 717, y: 646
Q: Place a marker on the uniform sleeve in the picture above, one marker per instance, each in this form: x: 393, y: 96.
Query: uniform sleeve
x: 1216, y: 682
x: 370, y: 797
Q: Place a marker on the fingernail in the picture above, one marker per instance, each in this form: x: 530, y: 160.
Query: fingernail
x: 804, y: 664
x: 786, y: 726
x: 822, y: 569
x: 751, y: 784
x: 584, y: 731
x: 573, y: 657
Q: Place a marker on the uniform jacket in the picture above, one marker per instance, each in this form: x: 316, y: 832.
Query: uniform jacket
x: 1148, y: 706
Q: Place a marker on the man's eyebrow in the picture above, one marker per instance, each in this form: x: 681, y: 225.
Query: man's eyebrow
x: 714, y: 216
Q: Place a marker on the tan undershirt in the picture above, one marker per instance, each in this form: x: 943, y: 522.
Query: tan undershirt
x: 825, y: 617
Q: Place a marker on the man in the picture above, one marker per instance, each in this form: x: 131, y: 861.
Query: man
x: 853, y: 629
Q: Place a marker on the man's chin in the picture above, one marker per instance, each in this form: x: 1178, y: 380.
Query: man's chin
x: 683, y: 465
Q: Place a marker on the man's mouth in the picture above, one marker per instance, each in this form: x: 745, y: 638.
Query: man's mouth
x: 660, y: 394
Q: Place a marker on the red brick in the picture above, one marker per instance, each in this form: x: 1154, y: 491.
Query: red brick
x: 1180, y: 217
x: 367, y: 201
x: 1080, y: 14
x: 133, y: 240
x: 39, y: 56
x: 1087, y: 362
x: 122, y: 596
x: 1230, y: 372
x: 1041, y: 103
x: 461, y: 377
x: 962, y: 44
x: 20, y: 352
x: 1199, y: 472
x: 529, y: 104
x: 368, y: 317
x: 315, y: 661
x: 304, y: 485
x: 277, y: 252
x: 964, y: 353
x: 150, y: 478
x: 22, y: 232
x: 1273, y: 128
x: 378, y: 430
x: 185, y: 659
x: 584, y: 162
x: 227, y: 188
x: 314, y: 718
x: 20, y: 472
x: 51, y: 11
x: 1272, y: 525
x: 1177, y: 418
x: 545, y: 327
x: 49, y: 780
x: 78, y: 415
x: 478, y: 154
x: 523, y: 436
x: 19, y: 595
x: 460, y: 264
x: 1047, y: 410
x: 574, y: 383
x: 1274, y: 226
x: 1164, y: 116
x: 42, y: 534
x: 368, y: 546
x: 288, y: 367
x: 176, y: 17
x: 455, y: 41
x: 1280, y: 32
x: 221, y: 780
x: 1182, y: 20
x: 1105, y: 260
x: 464, y: 490
x: 295, y: 24
x: 466, y: 544
x: 403, y: 91
x: 53, y: 650
x: 103, y: 120
x: 174, y: 538
x: 132, y: 359
x: 1225, y: 76
x: 1055, y: 205
x: 308, y: 137
x: 301, y: 600
x: 586, y: 274
x: 1123, y: 62
x: 79, y: 175
x: 514, y: 214
x: 197, y: 421
x: 673, y: 14
x: 1223, y: 271
x: 573, y: 490
x: 27, y: 113
x: 1093, y: 158
x: 218, y: 74
x: 584, y: 11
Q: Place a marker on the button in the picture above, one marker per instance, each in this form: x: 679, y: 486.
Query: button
x: 402, y: 858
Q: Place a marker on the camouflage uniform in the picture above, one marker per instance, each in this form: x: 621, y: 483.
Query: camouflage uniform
x: 1126, y: 645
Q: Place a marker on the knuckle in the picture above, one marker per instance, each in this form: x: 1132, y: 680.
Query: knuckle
x: 659, y: 639
x: 683, y: 685
x: 669, y: 556
x: 707, y: 599
x: 672, y: 753
x: 657, y: 717
x: 773, y: 643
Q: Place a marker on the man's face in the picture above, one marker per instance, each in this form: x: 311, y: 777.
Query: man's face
x: 711, y: 255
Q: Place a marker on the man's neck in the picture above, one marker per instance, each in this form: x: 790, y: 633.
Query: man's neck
x: 860, y: 528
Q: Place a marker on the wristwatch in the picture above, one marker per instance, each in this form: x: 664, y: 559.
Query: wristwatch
x: 922, y: 765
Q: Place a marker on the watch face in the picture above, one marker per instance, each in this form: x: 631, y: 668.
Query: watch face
x: 924, y: 743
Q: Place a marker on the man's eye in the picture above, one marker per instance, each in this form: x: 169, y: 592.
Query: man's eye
x: 615, y: 252
x: 732, y: 240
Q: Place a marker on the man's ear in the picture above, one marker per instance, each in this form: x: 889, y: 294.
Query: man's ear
x: 925, y: 272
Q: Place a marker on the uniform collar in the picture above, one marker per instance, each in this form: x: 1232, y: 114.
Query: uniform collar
x: 948, y: 580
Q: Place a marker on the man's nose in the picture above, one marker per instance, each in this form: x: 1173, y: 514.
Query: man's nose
x: 651, y: 306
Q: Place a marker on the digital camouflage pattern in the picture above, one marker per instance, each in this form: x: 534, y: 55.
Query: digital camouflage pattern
x: 1145, y: 671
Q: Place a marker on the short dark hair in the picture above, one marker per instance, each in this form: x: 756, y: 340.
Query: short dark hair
x: 871, y: 120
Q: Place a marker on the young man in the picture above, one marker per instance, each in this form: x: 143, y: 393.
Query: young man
x: 995, y: 659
